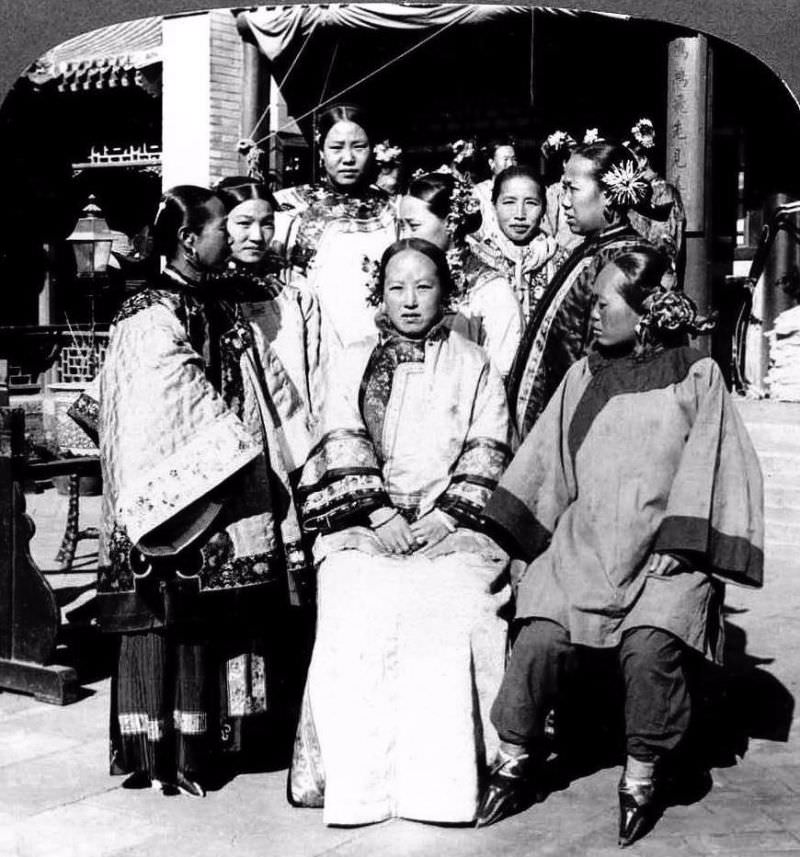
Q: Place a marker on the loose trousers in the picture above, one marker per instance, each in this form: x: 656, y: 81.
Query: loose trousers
x: 544, y: 665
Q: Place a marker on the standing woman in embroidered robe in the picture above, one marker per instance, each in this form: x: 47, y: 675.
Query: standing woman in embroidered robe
x: 600, y: 184
x: 195, y: 524
x: 635, y: 497
x: 517, y: 249
x: 442, y: 210
x: 410, y: 646
x: 339, y: 222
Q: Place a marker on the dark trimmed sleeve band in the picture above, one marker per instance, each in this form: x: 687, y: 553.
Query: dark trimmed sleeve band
x: 731, y: 557
x: 514, y: 527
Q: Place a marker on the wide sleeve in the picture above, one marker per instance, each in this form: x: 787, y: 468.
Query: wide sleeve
x: 715, y: 510
x: 342, y: 480
x: 502, y: 323
x: 539, y: 483
x: 167, y: 438
x: 484, y: 456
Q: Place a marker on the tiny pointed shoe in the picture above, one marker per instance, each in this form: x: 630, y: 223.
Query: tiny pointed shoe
x: 189, y: 787
x: 507, y: 790
x: 639, y: 808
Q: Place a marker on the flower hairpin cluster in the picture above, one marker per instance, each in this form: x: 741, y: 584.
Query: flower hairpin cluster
x: 386, y: 154
x: 463, y: 150
x: 557, y: 142
x: 592, y: 135
x: 673, y: 313
x: 625, y: 184
x: 644, y: 133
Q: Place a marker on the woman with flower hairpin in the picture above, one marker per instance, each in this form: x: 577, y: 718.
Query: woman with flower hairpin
x: 635, y: 497
x: 484, y: 309
x: 338, y: 222
x: 601, y: 184
x: 410, y: 646
x: 556, y: 151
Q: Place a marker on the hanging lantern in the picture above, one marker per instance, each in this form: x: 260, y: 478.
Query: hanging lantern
x: 91, y: 241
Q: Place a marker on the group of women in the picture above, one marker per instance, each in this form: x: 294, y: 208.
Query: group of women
x: 315, y: 490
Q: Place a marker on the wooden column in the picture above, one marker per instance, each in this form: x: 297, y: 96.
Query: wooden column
x: 254, y: 88
x: 689, y: 113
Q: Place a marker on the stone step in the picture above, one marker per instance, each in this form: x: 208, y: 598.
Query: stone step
x: 775, y: 437
x: 780, y: 469
x: 777, y: 531
x: 768, y: 411
x: 782, y: 513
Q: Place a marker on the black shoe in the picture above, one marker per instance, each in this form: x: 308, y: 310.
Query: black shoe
x: 507, y: 791
x: 137, y: 780
x: 188, y: 786
x: 639, y: 808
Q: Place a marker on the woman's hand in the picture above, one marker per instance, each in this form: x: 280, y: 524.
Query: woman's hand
x: 395, y: 534
x: 664, y: 564
x: 432, y: 528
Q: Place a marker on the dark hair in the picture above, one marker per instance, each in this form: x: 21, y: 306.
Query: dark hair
x: 605, y: 155
x: 643, y: 267
x: 428, y: 249
x: 499, y: 143
x: 436, y: 190
x: 181, y: 207
x: 521, y: 171
x: 342, y: 113
x: 235, y: 190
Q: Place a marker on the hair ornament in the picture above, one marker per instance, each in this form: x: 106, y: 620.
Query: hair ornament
x: 625, y: 184
x: 671, y: 313
x: 592, y: 135
x: 462, y: 150
x: 387, y: 155
x: 162, y: 205
x: 644, y: 133
x: 557, y: 142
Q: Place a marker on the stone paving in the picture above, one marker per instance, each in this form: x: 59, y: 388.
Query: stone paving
x: 57, y: 800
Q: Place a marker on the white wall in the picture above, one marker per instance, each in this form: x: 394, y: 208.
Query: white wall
x: 186, y: 100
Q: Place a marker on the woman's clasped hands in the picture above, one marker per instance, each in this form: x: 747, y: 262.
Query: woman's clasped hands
x: 400, y: 537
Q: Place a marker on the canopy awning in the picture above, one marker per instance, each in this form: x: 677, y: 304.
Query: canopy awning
x: 276, y: 28
x: 111, y: 56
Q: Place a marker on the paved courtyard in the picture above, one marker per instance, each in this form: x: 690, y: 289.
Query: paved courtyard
x: 57, y: 799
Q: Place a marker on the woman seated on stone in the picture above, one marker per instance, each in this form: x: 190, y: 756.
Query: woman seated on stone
x: 410, y: 646
x: 443, y: 211
x: 518, y: 250
x: 197, y: 531
x: 634, y: 498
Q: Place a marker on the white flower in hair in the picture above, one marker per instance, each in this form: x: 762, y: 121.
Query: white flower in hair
x: 644, y: 133
x: 625, y: 184
x: 385, y: 153
x: 592, y: 135
x: 462, y: 149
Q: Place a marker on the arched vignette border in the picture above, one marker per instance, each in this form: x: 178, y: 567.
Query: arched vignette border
x: 767, y: 29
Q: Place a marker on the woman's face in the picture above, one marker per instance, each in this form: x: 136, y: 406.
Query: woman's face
x: 251, y: 228
x: 504, y: 157
x: 211, y: 243
x: 613, y: 320
x: 583, y: 200
x: 412, y: 294
x: 416, y: 220
x: 345, y: 154
x: 519, y: 209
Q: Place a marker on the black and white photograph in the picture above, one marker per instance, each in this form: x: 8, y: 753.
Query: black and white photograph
x: 400, y: 429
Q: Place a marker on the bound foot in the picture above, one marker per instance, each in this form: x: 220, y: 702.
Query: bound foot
x: 508, y: 788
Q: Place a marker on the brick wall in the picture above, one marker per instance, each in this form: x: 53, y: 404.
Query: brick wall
x: 226, y: 95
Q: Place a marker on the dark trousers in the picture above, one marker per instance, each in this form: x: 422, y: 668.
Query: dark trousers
x: 545, y: 665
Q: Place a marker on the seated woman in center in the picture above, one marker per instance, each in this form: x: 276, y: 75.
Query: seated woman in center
x: 410, y: 646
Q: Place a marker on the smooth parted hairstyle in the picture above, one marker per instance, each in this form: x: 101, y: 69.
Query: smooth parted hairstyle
x: 328, y: 117
x: 234, y: 190
x: 669, y: 316
x: 616, y: 169
x: 181, y: 207
x: 428, y: 249
x: 521, y: 171
x: 449, y: 200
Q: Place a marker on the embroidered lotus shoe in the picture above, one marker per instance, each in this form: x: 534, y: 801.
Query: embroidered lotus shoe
x: 508, y: 788
x: 188, y: 786
x: 640, y: 806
